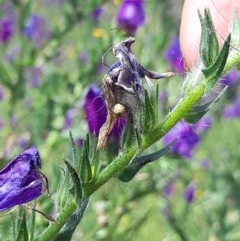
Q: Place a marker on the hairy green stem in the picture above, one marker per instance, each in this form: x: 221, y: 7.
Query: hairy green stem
x: 51, y: 231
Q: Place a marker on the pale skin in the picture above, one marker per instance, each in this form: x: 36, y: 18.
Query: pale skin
x: 190, y: 29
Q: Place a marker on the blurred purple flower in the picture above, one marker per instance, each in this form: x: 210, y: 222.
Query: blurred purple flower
x: 230, y: 78
x: 2, y: 124
x: 189, y: 192
x: 187, y: 140
x: 97, y: 13
x: 187, y: 136
x: 203, y: 124
x: 7, y: 21
x: 33, y: 75
x: 232, y: 110
x: 69, y: 116
x: 131, y: 15
x: 12, y: 53
x: 6, y: 30
x: 205, y: 164
x: 79, y: 142
x: 169, y: 189
x: 83, y: 56
x: 19, y: 180
x: 174, y: 56
x: 96, y: 112
x: 37, y: 30
x: 1, y: 93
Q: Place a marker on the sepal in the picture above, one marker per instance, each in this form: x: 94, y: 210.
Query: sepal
x: 209, y: 47
x: 139, y: 162
x: 214, y: 71
x: 203, y: 106
x: 76, y: 189
x: 85, y: 169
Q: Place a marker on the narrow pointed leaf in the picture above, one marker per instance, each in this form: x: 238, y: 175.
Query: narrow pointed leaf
x: 139, y: 162
x: 69, y: 228
x: 213, y: 72
x: 149, y: 114
x: 23, y: 232
x: 85, y: 172
x: 209, y: 47
x: 77, y: 184
x: 203, y: 106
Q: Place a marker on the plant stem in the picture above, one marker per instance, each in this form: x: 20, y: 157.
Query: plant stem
x: 52, y: 230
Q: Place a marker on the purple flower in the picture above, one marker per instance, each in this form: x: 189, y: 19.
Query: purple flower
x: 96, y: 113
x: 12, y: 53
x: 131, y: 15
x: 232, y: 110
x: 33, y: 75
x: 37, y: 30
x: 6, y: 30
x: 174, y: 56
x: 19, y: 180
x: 189, y: 192
x: 205, y: 164
x: 203, y: 124
x: 7, y: 21
x: 187, y: 140
x: 68, y: 120
x: 83, y: 56
x: 97, y: 13
x: 1, y: 93
x: 95, y: 109
x: 169, y: 190
x: 230, y: 78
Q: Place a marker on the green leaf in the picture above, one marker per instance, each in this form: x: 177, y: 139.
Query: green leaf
x: 69, y: 228
x: 23, y: 232
x: 209, y: 47
x: 149, y: 113
x: 139, y: 162
x: 77, y: 184
x: 213, y: 72
x: 203, y: 106
x: 74, y: 150
x: 94, y: 157
x: 85, y: 171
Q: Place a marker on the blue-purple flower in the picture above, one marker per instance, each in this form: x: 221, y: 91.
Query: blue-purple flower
x: 20, y: 182
x: 97, y: 13
x: 7, y: 21
x: 96, y: 113
x: 1, y: 93
x: 230, y: 78
x: 131, y: 15
x: 187, y: 139
x: 169, y: 189
x: 174, y: 56
x: 187, y: 136
x: 69, y: 116
x: 189, y: 192
x: 6, y: 30
x: 232, y: 110
x: 33, y: 75
x: 37, y: 30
